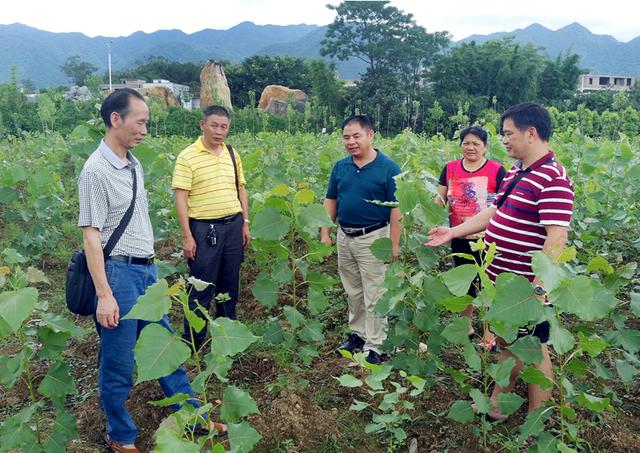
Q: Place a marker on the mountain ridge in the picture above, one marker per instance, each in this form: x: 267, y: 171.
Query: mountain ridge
x: 38, y: 54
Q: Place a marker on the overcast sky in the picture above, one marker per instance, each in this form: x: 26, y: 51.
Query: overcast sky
x: 460, y: 17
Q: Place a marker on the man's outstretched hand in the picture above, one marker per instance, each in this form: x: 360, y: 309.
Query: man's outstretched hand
x: 439, y: 236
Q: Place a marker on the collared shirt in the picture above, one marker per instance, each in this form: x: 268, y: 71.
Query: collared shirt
x: 355, y: 187
x: 210, y: 180
x: 105, y: 189
x: 543, y: 197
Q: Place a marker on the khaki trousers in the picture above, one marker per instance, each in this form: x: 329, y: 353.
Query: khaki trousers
x: 362, y: 275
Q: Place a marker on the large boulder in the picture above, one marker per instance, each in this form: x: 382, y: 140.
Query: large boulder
x: 214, y: 88
x: 274, y: 99
x: 162, y: 93
x: 78, y: 94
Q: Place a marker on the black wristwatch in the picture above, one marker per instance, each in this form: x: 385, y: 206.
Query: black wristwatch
x: 539, y: 290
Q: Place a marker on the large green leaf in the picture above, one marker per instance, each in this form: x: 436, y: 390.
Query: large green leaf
x: 58, y: 382
x: 312, y: 332
x: 265, y: 290
x: 534, y: 423
x: 236, y: 403
x: 347, y: 380
x: 635, y: 303
x: 53, y: 343
x: 626, y: 370
x: 312, y: 217
x: 472, y: 357
x: 457, y: 304
x: 153, y: 304
x: 230, y: 337
x: 459, y: 278
x: 64, y: 429
x: 527, y: 349
x: 461, y: 412
x: 501, y: 371
x: 592, y: 345
x: 16, y: 306
x: 509, y: 403
x: 242, y: 437
x: 594, y: 403
x: 514, y: 303
x: 550, y: 273
x: 273, y: 333
x: 169, y: 441
x: 585, y: 297
x: 11, y: 369
x: 16, y: 432
x: 560, y: 338
x: 158, y: 353
x: 59, y: 323
x: 270, y: 225
x: 318, y: 302
x: 457, y: 332
x: 482, y: 401
x: 532, y: 375
x: 293, y: 317
x: 320, y: 281
x: 382, y: 248
x: 280, y: 271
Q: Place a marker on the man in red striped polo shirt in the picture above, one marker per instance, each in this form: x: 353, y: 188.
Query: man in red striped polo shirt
x: 531, y: 212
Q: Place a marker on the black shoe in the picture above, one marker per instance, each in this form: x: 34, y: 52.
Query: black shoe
x: 354, y: 343
x: 374, y: 358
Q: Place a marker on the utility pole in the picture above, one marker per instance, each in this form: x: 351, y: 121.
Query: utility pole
x: 109, y: 47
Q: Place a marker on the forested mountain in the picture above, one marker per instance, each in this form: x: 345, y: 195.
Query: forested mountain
x: 39, y: 54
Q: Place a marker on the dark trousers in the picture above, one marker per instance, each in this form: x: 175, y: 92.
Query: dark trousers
x: 218, y: 264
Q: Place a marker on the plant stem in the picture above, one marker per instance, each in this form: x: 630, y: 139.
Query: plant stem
x: 32, y: 393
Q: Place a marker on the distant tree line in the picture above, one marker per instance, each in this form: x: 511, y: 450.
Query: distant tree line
x: 414, y: 79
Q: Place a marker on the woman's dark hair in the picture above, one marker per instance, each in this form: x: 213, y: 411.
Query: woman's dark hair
x: 118, y: 101
x: 474, y: 130
x: 530, y: 114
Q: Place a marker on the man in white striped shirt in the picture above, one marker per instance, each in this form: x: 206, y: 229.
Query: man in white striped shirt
x: 105, y: 189
x: 531, y: 212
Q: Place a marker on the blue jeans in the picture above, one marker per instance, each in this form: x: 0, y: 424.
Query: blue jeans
x: 115, y: 378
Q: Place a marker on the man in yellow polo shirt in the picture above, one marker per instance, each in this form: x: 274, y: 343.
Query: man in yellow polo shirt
x: 213, y: 211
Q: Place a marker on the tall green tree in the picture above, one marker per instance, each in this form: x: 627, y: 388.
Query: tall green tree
x: 77, y: 70
x: 559, y: 78
x: 396, y: 50
x: 508, y: 71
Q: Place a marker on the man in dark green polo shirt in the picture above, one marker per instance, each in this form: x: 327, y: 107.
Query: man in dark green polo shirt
x: 367, y: 174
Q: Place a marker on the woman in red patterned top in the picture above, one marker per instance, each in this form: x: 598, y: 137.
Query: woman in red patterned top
x: 468, y: 186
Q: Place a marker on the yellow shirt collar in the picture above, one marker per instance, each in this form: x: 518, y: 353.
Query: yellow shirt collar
x: 200, y: 145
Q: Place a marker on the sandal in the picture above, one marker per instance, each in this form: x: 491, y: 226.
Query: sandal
x: 488, y: 345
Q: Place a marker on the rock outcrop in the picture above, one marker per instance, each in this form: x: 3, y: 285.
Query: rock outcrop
x: 214, y: 88
x: 164, y: 94
x: 275, y: 99
x: 78, y: 94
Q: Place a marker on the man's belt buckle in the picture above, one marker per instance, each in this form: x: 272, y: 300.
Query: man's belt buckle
x: 349, y: 230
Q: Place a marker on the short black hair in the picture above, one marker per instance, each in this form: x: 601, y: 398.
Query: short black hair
x: 475, y: 130
x: 118, y: 101
x: 530, y: 114
x: 217, y: 110
x: 362, y: 120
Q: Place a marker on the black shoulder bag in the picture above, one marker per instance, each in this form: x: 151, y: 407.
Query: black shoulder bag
x: 515, y: 181
x: 235, y: 170
x: 80, y: 290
